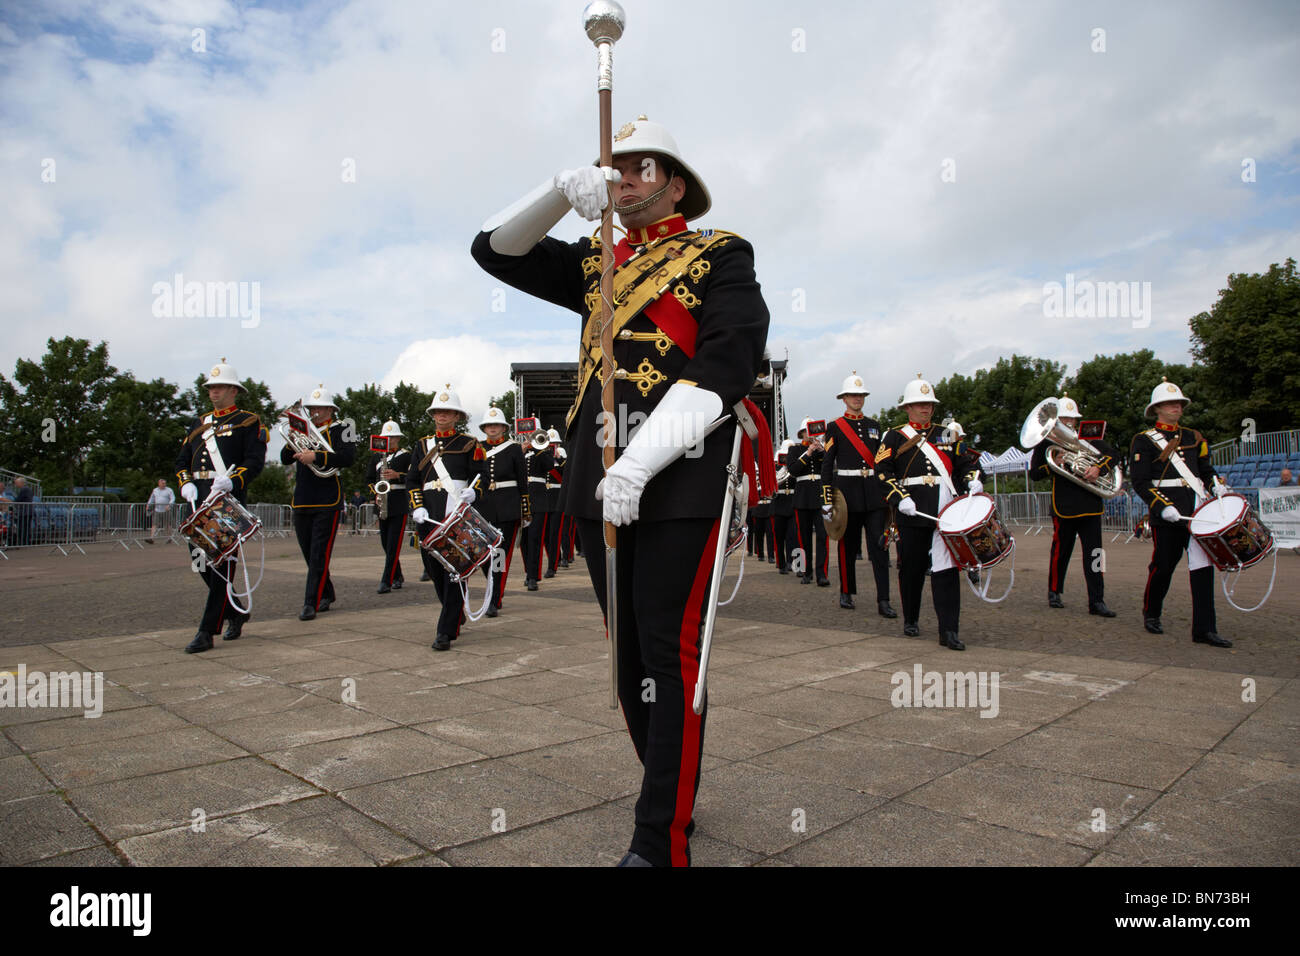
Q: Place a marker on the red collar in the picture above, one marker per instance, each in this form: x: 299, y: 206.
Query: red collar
x: 446, y: 434
x: 920, y: 428
x: 327, y: 424
x: 497, y: 442
x: 1168, y: 428
x: 222, y: 412
x: 853, y: 416
x: 670, y: 226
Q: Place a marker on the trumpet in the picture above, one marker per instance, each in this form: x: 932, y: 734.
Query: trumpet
x: 301, y: 434
x: 1072, y: 456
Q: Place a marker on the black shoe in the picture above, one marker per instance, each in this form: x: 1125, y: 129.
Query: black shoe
x: 846, y: 602
x: 530, y: 584
x: 823, y: 581
x: 771, y: 560
x: 323, y: 606
x: 1054, y: 599
x: 425, y: 576
x: 1100, y: 609
x: 492, y: 610
x: 308, y: 613
x: 950, y: 640
x: 202, y: 642
x: 383, y: 589
x: 550, y: 573
x: 883, y: 608
x: 805, y: 579
x: 397, y: 585
x: 1152, y: 624
x: 234, y: 628
x: 1212, y: 639
x: 563, y: 563
x: 783, y: 569
x: 633, y: 859
x: 911, y: 630
x: 442, y: 643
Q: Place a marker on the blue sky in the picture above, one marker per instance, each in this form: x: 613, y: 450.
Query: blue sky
x: 824, y: 131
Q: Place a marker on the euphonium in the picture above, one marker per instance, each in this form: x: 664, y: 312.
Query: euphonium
x: 1073, y: 456
x: 313, y: 439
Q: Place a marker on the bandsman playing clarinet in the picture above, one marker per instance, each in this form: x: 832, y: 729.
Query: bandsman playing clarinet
x: 390, y: 467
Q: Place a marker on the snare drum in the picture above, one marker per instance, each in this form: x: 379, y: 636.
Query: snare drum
x: 462, y: 542
x: 220, y: 526
x: 1231, y: 533
x: 975, y: 536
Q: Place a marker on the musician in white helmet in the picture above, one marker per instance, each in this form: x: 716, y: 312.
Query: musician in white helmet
x: 1076, y: 513
x: 224, y: 451
x: 690, y: 328
x: 389, y: 467
x: 502, y: 496
x: 804, y: 462
x: 555, y: 523
x: 925, y: 466
x: 1170, y: 468
x: 318, y: 499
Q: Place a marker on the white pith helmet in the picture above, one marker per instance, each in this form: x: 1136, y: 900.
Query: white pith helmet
x: 319, y: 397
x: 445, y: 400
x: 644, y: 136
x: 223, y: 374
x: 553, y: 435
x: 803, y: 430
x: 918, y: 390
x: 390, y: 430
x: 493, y: 416
x: 1067, y: 408
x: 1167, y: 391
x: 954, y: 429
x: 853, y: 385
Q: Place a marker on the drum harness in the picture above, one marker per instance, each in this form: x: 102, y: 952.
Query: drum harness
x: 220, y: 468
x: 452, y: 486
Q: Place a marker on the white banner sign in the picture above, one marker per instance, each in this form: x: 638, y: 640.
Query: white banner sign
x: 1279, y: 509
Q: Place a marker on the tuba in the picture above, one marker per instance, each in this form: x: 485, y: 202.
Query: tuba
x: 1072, y: 456
x: 301, y: 434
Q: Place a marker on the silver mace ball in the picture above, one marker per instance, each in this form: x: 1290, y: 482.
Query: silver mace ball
x: 604, y: 21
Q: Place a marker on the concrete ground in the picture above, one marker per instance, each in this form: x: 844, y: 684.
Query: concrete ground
x: 348, y: 741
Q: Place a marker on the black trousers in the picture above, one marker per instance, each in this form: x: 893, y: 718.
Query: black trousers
x: 945, y: 586
x: 453, y: 602
x: 664, y: 568
x: 509, y: 532
x: 780, y: 525
x: 315, y: 529
x: 531, y: 546
x: 554, y: 528
x: 808, y: 522
x: 1064, y: 532
x: 1170, y: 542
x: 217, y: 607
x: 390, y: 535
x: 874, y: 522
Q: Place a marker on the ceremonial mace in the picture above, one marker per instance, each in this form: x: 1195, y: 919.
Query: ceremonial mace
x: 603, y: 21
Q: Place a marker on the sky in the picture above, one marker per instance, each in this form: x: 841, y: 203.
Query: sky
x: 914, y: 178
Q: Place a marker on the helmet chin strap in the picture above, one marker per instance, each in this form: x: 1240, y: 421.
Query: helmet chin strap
x: 644, y: 203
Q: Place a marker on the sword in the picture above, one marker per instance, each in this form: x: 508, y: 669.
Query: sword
x: 719, y: 562
x: 603, y: 22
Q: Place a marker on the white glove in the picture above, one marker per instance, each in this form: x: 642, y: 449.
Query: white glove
x: 561, y: 454
x: 1170, y: 514
x: 976, y: 487
x: 468, y: 495
x: 222, y: 483
x: 676, y: 424
x: 907, y: 507
x: 465, y: 495
x: 420, y: 515
x: 189, y: 492
x: 827, y: 511
x: 1220, y: 489
x: 586, y: 189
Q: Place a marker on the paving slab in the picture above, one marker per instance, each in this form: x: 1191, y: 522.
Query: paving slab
x: 605, y: 766
x: 102, y: 761
x: 39, y: 826
x: 872, y: 765
x: 73, y: 731
x: 1139, y: 763
x: 512, y: 730
x: 293, y: 728
x: 1180, y: 831
x: 1145, y: 722
x: 350, y: 762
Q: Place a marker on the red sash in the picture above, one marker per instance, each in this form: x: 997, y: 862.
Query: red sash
x: 665, y: 311
x: 855, y: 441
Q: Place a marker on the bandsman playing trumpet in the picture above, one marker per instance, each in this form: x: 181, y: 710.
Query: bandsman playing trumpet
x: 1171, y: 471
x: 318, y: 498
x: 925, y: 466
x: 387, y: 477
x: 804, y: 462
x: 1076, y: 512
x: 502, y: 496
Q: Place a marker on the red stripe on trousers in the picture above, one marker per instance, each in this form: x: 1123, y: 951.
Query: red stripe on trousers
x: 510, y: 550
x: 1053, y: 565
x: 329, y: 549
x: 397, y: 559
x: 1151, y: 573
x: 688, y: 654
x: 844, y: 573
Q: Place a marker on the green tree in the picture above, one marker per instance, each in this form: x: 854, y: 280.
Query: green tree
x: 272, y: 486
x: 144, y: 426
x: 1247, y: 344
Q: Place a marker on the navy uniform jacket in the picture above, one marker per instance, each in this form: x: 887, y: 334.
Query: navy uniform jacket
x: 556, y: 478
x: 399, y: 461
x: 241, y: 439
x: 722, y: 297
x: 783, y: 500
x: 1147, y: 464
x: 502, y: 505
x: 808, y: 493
x: 538, y: 465
x: 1068, y: 499
x: 895, y: 463
x: 463, y: 457
x: 861, y: 492
x: 310, y: 491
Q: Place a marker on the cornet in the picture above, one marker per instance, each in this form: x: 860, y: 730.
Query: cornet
x: 301, y: 434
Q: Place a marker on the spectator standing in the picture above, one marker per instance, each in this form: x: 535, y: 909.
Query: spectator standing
x: 161, y: 500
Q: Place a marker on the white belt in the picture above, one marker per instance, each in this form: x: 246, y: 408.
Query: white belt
x: 809, y: 478
x: 855, y: 472
x: 204, y: 475
x: 435, y: 485
x: 1171, y: 483
x: 540, y: 481
x: 494, y: 485
x: 922, y: 480
x: 785, y: 491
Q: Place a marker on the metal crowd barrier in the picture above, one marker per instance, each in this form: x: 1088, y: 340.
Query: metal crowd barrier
x: 36, y: 524
x: 1033, y: 509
